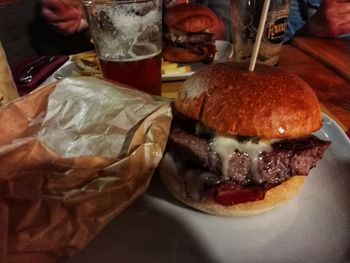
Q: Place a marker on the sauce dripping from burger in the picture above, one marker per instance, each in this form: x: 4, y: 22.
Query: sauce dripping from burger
x: 226, y: 147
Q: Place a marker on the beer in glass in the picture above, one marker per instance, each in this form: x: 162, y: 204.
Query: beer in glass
x: 128, y: 36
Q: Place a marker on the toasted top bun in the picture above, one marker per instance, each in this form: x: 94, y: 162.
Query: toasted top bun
x: 191, y: 17
x: 267, y: 103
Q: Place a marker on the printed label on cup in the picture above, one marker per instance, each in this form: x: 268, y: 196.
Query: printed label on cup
x: 274, y: 31
x: 245, y: 23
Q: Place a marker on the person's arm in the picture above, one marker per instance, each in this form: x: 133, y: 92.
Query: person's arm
x: 64, y: 17
x: 296, y: 19
x: 332, y: 19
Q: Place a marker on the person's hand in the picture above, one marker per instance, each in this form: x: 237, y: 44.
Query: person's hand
x: 170, y: 3
x: 66, y: 18
x: 332, y: 19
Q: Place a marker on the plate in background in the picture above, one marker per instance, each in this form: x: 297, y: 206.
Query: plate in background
x: 224, y: 53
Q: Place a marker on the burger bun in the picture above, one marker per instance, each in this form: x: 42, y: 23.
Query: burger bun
x: 268, y: 103
x: 275, y: 197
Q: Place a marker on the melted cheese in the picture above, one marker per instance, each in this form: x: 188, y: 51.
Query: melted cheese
x: 226, y: 147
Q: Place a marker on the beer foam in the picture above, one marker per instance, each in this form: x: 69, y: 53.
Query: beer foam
x: 129, y: 32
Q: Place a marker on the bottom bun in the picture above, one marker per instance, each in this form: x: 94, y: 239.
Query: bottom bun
x: 274, y: 197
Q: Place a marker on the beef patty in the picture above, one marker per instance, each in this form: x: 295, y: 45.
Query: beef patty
x: 288, y: 158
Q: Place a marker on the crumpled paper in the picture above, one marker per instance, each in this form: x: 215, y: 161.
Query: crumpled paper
x: 73, y: 155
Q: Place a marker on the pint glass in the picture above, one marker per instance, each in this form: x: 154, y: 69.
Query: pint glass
x: 128, y: 36
x: 245, y: 22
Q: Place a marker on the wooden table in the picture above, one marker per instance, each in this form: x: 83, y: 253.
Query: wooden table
x: 329, y: 85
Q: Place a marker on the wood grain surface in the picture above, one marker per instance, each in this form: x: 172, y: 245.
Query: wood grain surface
x: 330, y: 86
x: 334, y: 53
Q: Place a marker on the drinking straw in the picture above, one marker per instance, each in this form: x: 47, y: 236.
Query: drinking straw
x: 259, y: 35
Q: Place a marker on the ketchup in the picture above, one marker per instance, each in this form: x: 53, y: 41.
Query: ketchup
x: 227, y: 194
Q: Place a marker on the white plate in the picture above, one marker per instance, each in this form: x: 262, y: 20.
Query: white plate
x: 313, y: 227
x: 224, y: 53
x: 183, y: 76
x: 67, y: 70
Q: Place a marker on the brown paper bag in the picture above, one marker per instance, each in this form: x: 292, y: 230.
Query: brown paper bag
x: 73, y: 155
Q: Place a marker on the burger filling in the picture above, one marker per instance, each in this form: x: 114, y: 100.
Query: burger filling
x: 235, y: 169
x: 201, y: 43
x: 182, y: 39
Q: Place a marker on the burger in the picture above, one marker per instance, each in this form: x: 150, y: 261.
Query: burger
x: 241, y: 142
x: 190, y: 33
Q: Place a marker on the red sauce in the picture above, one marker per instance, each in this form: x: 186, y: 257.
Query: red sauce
x: 227, y: 194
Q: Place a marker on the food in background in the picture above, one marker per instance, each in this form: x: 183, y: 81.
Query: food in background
x: 169, y: 68
x: 190, y: 33
x: 87, y: 63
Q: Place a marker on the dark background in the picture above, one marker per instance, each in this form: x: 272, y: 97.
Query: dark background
x: 24, y: 33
